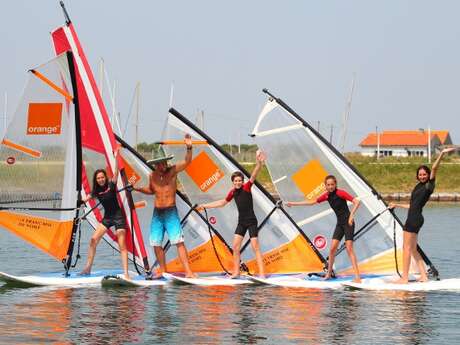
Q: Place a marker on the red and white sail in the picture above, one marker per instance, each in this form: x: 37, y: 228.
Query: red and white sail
x: 98, y: 140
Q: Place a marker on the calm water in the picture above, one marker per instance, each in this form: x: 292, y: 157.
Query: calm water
x: 241, y: 315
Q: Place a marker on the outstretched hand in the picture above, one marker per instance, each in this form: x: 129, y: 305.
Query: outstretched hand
x: 188, y: 140
x: 199, y: 208
x: 391, y: 206
x: 116, y: 151
x: 260, y: 156
x: 450, y: 149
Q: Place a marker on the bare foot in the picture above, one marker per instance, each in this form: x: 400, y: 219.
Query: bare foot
x: 262, y: 276
x: 357, y: 280
x: 126, y: 276
x: 327, y: 277
x: 422, y: 279
x: 401, y: 281
x: 85, y: 272
x: 191, y: 275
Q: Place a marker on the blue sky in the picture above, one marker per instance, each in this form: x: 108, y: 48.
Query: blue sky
x: 406, y: 56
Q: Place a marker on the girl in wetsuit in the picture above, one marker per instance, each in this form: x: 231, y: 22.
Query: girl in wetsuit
x: 247, y: 220
x: 419, y: 197
x: 105, y: 190
x: 337, y: 199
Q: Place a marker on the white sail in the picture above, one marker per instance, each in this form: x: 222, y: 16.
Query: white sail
x: 299, y: 159
x: 285, y: 248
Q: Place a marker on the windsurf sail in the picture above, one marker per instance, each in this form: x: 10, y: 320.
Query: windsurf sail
x: 197, y: 238
x: 285, y: 247
x: 98, y: 142
x: 299, y: 159
x: 40, y: 161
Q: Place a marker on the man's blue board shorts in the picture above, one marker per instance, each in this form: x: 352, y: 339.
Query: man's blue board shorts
x: 165, y: 220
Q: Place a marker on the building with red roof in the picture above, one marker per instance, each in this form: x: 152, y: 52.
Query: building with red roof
x: 404, y: 143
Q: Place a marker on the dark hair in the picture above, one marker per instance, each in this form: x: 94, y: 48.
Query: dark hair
x: 330, y: 177
x: 96, y: 188
x: 423, y: 167
x: 237, y: 174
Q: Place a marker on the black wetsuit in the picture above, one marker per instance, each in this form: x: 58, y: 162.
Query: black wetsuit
x: 113, y: 216
x: 418, y: 198
x: 338, y: 202
x: 246, y: 217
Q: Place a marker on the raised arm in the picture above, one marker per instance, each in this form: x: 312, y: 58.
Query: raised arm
x: 115, y: 170
x: 435, y: 166
x: 180, y: 166
x: 145, y: 189
x: 260, y: 159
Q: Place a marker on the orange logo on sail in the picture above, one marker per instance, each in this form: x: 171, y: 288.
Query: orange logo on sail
x: 204, y: 172
x: 310, y: 179
x: 44, y: 119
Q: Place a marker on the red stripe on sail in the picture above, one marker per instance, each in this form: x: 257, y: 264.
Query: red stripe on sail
x: 90, y: 131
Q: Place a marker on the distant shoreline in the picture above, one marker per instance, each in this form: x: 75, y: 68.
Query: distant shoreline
x: 435, y: 197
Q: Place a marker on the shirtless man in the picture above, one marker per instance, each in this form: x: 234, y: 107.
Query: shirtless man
x: 163, y: 184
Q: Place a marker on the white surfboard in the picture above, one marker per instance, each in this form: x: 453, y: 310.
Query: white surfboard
x: 57, y: 278
x: 304, y: 281
x: 219, y: 280
x: 135, y: 281
x: 385, y: 284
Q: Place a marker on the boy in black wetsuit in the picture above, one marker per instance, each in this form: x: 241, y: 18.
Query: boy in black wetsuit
x: 247, y: 220
x: 337, y: 199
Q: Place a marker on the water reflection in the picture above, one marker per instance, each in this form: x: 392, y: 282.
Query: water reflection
x: 110, y: 316
x: 36, y: 320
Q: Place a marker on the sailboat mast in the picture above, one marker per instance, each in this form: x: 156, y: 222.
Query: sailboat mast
x: 346, y: 114
x: 138, y: 90
x: 5, y: 114
x: 79, y: 154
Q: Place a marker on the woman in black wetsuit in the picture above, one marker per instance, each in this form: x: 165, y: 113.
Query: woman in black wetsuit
x: 419, y: 197
x: 105, y: 190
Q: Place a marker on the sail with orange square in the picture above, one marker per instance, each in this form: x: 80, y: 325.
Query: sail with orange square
x: 285, y: 247
x: 40, y: 157
x: 299, y: 159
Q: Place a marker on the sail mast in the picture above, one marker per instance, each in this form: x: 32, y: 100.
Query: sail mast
x: 78, y: 148
x: 346, y: 114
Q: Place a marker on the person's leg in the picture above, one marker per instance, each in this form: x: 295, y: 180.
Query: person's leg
x: 419, y: 261
x: 260, y: 261
x: 408, y: 241
x: 253, y: 233
x: 121, y: 237
x: 161, y: 258
x: 176, y: 237
x: 100, y: 231
x: 237, y: 239
x: 330, y: 264
x: 156, y: 241
x: 354, y: 262
x: 183, y: 257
